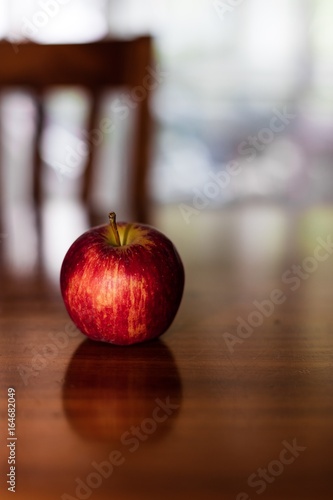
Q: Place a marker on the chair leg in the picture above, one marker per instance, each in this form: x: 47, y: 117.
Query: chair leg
x: 88, y: 173
x: 37, y: 173
x: 141, y: 161
x: 37, y: 161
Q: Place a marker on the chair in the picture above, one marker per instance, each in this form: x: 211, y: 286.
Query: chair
x: 94, y: 66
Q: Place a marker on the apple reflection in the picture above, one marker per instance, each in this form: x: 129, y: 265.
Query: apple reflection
x: 114, y: 393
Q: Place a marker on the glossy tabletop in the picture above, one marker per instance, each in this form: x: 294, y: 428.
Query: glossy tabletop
x: 234, y: 402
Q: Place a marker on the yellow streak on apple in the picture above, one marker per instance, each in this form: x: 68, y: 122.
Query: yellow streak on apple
x: 82, y: 283
x: 130, y: 234
x: 133, y: 235
x: 135, y: 328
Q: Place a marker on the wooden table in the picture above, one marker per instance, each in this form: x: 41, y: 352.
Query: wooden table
x: 211, y: 411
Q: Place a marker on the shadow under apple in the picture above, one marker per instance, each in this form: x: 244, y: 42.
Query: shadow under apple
x: 113, y: 392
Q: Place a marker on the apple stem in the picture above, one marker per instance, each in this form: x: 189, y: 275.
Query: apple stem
x: 113, y: 224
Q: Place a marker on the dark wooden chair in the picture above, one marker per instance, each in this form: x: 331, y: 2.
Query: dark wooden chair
x: 94, y: 66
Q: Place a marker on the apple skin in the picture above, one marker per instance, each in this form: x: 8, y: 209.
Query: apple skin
x: 122, y: 294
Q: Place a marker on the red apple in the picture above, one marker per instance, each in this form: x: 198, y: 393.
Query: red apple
x: 122, y: 283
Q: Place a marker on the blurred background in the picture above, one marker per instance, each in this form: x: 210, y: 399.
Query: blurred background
x: 243, y: 121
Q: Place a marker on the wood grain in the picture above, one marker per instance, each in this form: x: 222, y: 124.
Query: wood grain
x: 233, y: 413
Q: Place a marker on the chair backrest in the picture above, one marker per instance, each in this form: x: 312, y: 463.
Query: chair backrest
x: 94, y: 66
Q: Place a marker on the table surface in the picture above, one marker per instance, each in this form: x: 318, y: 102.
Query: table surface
x: 234, y: 401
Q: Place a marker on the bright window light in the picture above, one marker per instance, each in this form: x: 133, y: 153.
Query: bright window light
x: 322, y: 27
x: 271, y: 34
x: 52, y: 21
